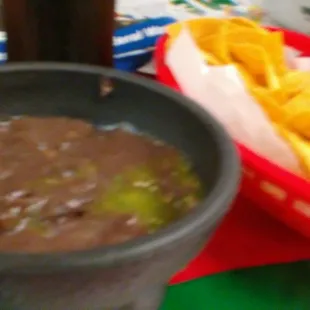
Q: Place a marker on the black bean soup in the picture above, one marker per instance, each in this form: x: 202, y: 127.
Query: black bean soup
x: 66, y: 185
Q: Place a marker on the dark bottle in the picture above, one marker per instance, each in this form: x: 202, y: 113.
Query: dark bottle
x: 60, y: 30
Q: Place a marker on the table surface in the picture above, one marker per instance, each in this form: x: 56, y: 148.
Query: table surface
x: 283, y: 287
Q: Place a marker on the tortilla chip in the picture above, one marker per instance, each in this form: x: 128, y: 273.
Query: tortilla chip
x: 274, y: 111
x: 199, y: 27
x: 256, y: 61
x: 210, y: 59
x: 216, y: 44
x: 300, y: 146
x: 274, y: 47
x: 298, y: 111
x: 294, y: 82
x: 247, y: 77
x: 278, y: 95
x: 246, y: 35
x: 238, y: 21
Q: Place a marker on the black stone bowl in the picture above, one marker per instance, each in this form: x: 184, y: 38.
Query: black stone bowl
x: 132, y: 275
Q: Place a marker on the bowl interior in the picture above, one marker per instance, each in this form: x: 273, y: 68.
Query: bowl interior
x: 76, y: 94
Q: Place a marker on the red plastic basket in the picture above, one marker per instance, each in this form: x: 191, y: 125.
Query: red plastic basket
x: 279, y: 192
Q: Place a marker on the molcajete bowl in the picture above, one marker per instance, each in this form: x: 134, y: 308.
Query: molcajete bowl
x: 132, y: 275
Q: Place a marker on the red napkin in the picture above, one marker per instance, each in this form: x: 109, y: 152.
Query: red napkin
x: 247, y: 237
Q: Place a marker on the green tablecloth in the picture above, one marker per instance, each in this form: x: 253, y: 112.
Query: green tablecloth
x: 281, y: 287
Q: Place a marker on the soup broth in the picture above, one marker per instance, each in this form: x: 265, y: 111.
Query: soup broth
x: 66, y: 185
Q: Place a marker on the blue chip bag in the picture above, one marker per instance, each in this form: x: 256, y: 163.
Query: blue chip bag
x: 134, y: 41
x: 3, y: 49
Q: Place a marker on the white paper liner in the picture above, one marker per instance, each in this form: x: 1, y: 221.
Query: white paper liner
x: 222, y: 92
x: 302, y: 63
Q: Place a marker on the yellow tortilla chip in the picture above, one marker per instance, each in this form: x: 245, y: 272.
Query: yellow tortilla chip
x: 210, y: 59
x: 246, y: 35
x: 300, y: 123
x: 208, y: 44
x: 257, y: 62
x: 245, y: 22
x: 250, y: 55
x: 199, y: 27
x: 299, y: 104
x: 272, y: 79
x: 216, y: 44
x: 278, y: 95
x: 300, y: 146
x: 293, y: 82
x: 298, y: 111
x: 274, y: 47
x: 274, y: 111
x: 205, y: 26
x: 247, y: 77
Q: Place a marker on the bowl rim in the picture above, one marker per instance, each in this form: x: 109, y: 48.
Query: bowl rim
x: 193, y: 223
